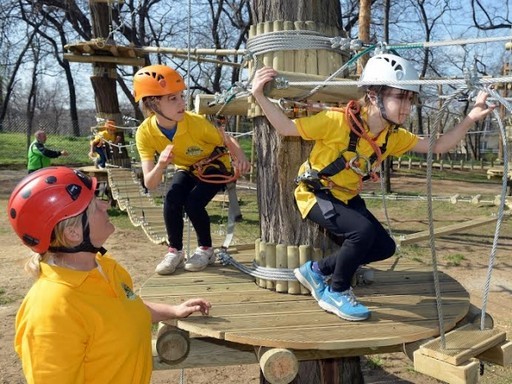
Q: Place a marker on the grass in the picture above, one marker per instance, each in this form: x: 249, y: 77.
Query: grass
x: 454, y: 260
x: 13, y: 149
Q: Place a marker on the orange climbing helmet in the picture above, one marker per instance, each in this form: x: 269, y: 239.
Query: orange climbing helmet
x: 43, y: 199
x: 156, y: 80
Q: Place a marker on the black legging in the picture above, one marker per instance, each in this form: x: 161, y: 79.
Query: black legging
x: 365, y: 240
x: 191, y: 195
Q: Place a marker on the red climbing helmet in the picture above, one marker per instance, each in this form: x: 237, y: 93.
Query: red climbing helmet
x: 43, y: 199
x: 156, y: 80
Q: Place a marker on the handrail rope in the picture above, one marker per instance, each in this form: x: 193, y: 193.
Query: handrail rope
x: 492, y: 255
x: 351, y: 83
x: 435, y: 272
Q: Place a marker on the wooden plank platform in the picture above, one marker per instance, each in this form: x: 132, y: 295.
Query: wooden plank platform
x: 402, y: 302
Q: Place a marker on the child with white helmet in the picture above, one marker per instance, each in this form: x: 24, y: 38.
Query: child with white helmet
x: 349, y: 146
x: 176, y: 136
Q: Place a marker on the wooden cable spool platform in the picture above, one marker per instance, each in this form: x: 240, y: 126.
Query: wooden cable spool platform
x: 248, y: 324
x: 246, y: 319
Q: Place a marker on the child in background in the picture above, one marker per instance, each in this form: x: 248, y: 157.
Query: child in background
x: 98, y: 150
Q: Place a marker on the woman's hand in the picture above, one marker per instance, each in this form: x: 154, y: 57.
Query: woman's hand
x: 190, y: 306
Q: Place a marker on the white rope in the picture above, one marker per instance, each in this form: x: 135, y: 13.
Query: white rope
x: 351, y: 83
x: 492, y: 255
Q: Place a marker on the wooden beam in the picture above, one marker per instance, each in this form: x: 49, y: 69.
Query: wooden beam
x: 209, y: 352
x: 334, y: 94
x: 451, y: 374
x: 463, y: 344
x: 443, y: 231
x: 500, y: 354
x: 136, y: 62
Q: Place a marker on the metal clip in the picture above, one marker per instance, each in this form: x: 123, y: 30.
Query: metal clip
x: 353, y: 164
x: 281, y: 82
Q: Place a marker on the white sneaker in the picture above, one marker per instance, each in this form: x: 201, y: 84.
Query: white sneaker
x: 172, y: 260
x: 200, y: 259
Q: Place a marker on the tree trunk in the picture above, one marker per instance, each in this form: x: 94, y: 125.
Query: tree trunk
x: 104, y: 78
x: 278, y: 160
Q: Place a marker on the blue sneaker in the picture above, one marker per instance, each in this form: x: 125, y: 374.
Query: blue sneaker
x: 312, y: 280
x: 344, y: 304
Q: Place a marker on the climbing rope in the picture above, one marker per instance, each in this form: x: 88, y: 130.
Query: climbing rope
x: 474, y: 85
x: 492, y: 255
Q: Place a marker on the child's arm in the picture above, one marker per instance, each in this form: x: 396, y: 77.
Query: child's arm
x: 277, y: 118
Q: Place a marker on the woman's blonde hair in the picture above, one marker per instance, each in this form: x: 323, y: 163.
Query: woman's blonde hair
x: 32, y: 266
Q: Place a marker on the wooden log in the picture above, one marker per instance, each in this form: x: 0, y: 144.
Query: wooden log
x: 270, y: 254
x: 172, y: 344
x: 278, y: 365
x: 305, y: 254
x: 293, y: 262
x: 205, y: 105
x: 257, y: 259
x: 281, y: 262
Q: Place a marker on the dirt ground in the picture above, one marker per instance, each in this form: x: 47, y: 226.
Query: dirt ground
x: 140, y: 256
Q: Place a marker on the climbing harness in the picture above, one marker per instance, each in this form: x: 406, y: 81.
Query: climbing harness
x: 224, y: 175
x: 319, y: 181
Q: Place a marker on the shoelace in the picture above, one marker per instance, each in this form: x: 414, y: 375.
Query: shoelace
x: 351, y: 297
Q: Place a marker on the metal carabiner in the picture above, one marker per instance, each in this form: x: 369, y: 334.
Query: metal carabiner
x: 353, y: 164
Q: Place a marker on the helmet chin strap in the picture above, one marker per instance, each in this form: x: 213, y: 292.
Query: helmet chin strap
x: 383, y: 113
x: 85, y: 245
x: 158, y: 111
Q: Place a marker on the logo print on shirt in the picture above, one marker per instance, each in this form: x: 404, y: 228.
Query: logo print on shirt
x: 128, y: 292
x: 194, y: 151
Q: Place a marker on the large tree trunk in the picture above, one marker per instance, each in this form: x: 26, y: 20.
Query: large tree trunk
x: 104, y: 79
x: 278, y: 160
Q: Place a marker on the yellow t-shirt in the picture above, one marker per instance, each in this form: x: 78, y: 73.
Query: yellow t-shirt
x: 103, y: 136
x: 195, y: 139
x: 331, y: 133
x: 77, y: 327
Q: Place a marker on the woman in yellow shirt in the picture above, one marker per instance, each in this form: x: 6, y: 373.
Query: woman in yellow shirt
x: 81, y: 322
x: 349, y: 146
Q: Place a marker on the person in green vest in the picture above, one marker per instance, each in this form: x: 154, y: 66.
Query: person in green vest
x: 38, y: 155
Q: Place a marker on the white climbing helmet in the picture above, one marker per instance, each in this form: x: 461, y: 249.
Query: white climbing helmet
x: 389, y: 68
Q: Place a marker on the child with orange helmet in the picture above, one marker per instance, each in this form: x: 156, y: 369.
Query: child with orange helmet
x: 81, y: 321
x: 98, y: 147
x: 184, y: 139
